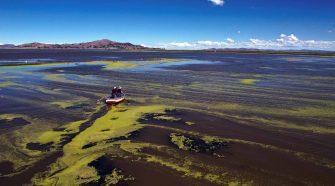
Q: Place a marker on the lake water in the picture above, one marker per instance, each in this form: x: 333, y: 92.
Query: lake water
x: 190, y: 118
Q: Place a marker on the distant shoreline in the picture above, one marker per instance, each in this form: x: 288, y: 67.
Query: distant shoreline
x: 265, y: 52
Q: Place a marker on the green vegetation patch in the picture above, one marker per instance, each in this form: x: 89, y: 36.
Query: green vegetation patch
x: 116, y: 177
x: 11, y: 77
x: 166, y: 60
x: 185, y: 169
x: 249, y: 81
x: 7, y: 84
x: 108, y: 173
x: 13, y: 120
x: 196, y: 144
x: 56, y: 136
x: 78, y: 102
x: 189, y: 123
x: 109, y: 65
x: 259, y: 116
x: 72, y: 168
x: 11, y: 116
x: 119, y: 123
x: 167, y: 118
x: 186, y: 165
x: 34, y: 64
x: 56, y: 77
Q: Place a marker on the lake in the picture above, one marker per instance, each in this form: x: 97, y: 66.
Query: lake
x: 190, y: 118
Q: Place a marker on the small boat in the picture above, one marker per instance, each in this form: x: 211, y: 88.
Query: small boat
x: 110, y: 100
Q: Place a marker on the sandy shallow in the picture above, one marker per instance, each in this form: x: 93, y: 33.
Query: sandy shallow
x: 189, y: 119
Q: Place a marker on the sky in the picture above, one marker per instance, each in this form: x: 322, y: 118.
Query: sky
x: 173, y: 24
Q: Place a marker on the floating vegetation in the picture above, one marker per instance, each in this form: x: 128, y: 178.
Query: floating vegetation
x: 170, y: 117
x: 109, y: 175
x: 10, y: 77
x: 187, y: 166
x: 73, y: 167
x: 267, y: 116
x: 57, y: 136
x: 110, y: 65
x: 190, y: 123
x: 167, y: 118
x: 249, y: 81
x: 53, y: 64
x: 79, y: 102
x: 166, y: 60
x: 10, y: 116
x: 8, y: 121
x: 175, y: 166
x: 56, y: 77
x: 116, y: 177
x: 196, y: 144
x: 48, y: 91
x: 7, y: 84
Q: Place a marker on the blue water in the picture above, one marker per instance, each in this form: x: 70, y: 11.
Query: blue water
x: 219, y: 62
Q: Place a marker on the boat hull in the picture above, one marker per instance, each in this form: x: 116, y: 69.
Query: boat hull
x: 114, y: 100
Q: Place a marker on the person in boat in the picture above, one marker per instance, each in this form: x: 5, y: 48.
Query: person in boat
x: 114, y: 92
x: 119, y: 92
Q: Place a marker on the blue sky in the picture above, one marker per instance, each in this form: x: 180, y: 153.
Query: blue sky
x: 173, y: 23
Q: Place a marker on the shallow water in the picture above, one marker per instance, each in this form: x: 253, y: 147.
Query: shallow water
x: 190, y: 119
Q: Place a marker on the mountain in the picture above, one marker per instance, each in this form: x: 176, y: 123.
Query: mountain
x: 7, y: 46
x: 99, y: 44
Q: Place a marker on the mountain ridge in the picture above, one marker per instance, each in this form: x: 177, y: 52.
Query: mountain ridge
x: 97, y: 44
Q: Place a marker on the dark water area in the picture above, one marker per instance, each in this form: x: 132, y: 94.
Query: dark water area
x: 49, y: 55
x: 190, y: 118
x: 89, y: 55
x: 33, y: 55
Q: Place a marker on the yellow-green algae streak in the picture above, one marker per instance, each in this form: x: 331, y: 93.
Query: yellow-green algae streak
x: 9, y: 117
x: 56, y: 136
x: 57, y: 77
x: 15, y: 151
x: 186, y: 165
x: 27, y: 65
x: 167, y: 118
x: 69, y: 103
x: 72, y: 168
x: 108, y: 65
x: 7, y: 84
x: 249, y: 81
x: 180, y: 141
x: 263, y: 115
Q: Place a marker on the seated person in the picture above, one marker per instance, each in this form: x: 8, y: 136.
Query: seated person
x: 119, y: 92
x: 114, y: 92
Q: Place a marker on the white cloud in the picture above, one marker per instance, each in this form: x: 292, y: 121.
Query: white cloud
x: 217, y: 2
x: 211, y: 43
x: 255, y: 41
x: 230, y: 40
x: 291, y: 42
x: 284, y: 42
x: 180, y: 44
x: 239, y: 32
x: 288, y: 39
